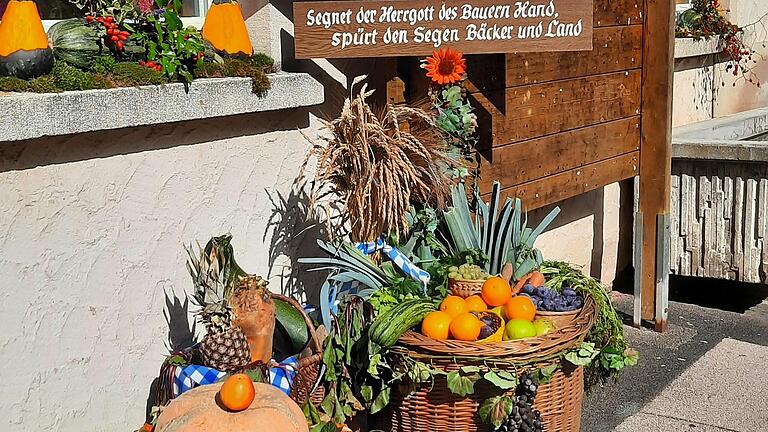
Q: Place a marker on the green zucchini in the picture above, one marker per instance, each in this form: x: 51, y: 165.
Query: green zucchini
x: 388, y: 327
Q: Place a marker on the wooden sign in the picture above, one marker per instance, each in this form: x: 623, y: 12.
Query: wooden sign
x: 391, y: 28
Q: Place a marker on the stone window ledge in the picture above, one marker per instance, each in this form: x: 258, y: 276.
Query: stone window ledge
x: 30, y: 115
x: 726, y: 138
x: 689, y: 47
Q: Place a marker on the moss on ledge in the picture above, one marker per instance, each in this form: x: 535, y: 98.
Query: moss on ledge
x: 106, y: 73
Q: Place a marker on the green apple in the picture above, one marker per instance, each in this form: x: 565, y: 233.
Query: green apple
x: 519, y: 329
x: 543, y: 326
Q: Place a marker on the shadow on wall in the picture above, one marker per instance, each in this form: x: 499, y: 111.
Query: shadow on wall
x: 21, y: 155
x: 592, y: 204
x: 294, y: 232
x: 182, y: 334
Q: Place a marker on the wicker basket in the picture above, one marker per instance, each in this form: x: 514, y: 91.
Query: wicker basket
x: 436, y: 409
x: 465, y: 287
x: 560, y: 319
x: 308, y: 370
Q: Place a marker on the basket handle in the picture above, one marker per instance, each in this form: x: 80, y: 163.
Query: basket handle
x: 314, y: 340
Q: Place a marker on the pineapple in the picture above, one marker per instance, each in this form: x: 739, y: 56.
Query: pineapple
x: 225, y: 346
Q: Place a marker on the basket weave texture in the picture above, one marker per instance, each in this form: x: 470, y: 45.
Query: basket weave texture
x: 465, y: 287
x: 560, y: 319
x: 308, y: 369
x: 434, y: 408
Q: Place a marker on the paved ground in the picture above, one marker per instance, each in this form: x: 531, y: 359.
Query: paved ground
x: 708, y: 373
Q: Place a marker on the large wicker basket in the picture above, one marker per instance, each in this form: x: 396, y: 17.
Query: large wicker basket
x: 560, y: 319
x: 304, y: 384
x: 435, y: 409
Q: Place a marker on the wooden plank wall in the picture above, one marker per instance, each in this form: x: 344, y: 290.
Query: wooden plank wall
x: 568, y: 122
x: 719, y: 222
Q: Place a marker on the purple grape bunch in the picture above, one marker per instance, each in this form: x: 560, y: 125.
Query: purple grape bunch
x: 549, y: 300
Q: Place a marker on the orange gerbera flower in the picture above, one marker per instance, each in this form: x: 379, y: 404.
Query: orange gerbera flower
x: 445, y: 66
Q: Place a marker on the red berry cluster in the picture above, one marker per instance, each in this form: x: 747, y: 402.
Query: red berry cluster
x: 151, y: 64
x: 114, y: 37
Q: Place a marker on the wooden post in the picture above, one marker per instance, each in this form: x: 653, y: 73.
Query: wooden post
x: 655, y: 155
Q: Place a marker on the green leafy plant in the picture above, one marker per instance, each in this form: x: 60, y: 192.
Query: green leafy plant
x: 458, y: 122
x: 177, y: 49
x: 119, y: 10
x: 347, y: 360
x: 498, y: 231
x: 606, y: 336
x: 349, y: 268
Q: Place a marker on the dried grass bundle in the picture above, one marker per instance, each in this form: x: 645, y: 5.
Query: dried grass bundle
x: 377, y: 168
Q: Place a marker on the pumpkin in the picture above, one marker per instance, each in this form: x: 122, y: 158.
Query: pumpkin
x: 198, y: 411
x: 24, y: 50
x: 75, y: 42
x: 225, y: 29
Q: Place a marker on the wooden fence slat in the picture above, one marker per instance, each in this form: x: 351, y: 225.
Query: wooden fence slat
x: 558, y: 187
x: 615, y: 49
x: 617, y: 12
x: 541, y: 157
x: 541, y: 109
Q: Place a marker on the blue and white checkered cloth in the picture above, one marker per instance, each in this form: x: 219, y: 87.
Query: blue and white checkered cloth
x: 189, y: 377
x: 398, y: 258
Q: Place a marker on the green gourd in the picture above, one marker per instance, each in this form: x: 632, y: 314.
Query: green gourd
x: 389, y: 326
x: 77, y: 43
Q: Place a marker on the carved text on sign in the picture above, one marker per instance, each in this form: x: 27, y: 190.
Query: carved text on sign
x: 338, y: 29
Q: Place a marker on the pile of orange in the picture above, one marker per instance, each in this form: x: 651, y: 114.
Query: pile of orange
x: 460, y: 318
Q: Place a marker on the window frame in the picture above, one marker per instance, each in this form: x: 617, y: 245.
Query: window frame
x: 196, y: 21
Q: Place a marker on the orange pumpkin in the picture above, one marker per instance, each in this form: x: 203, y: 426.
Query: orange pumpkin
x: 198, y: 411
x: 24, y: 50
x: 225, y: 29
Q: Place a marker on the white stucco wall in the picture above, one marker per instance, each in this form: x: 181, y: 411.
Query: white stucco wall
x: 704, y: 89
x: 91, y: 234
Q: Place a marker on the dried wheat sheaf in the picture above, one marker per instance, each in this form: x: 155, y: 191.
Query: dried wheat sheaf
x: 373, y: 167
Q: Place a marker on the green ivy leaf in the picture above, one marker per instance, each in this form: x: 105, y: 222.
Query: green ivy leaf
x: 470, y: 369
x: 310, y: 412
x: 461, y: 385
x: 630, y: 357
x: 382, y: 400
x: 366, y: 392
x: 494, y: 411
x: 544, y: 374
x: 373, y: 365
x: 583, y: 355
x: 501, y: 379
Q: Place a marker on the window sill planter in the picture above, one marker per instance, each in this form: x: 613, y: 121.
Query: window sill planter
x: 689, y: 47
x: 29, y: 115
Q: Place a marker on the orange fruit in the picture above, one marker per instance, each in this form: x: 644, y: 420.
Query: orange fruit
x: 466, y: 327
x: 237, y: 392
x: 520, y: 308
x: 454, y: 305
x: 496, y: 291
x: 475, y: 303
x: 436, y: 325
